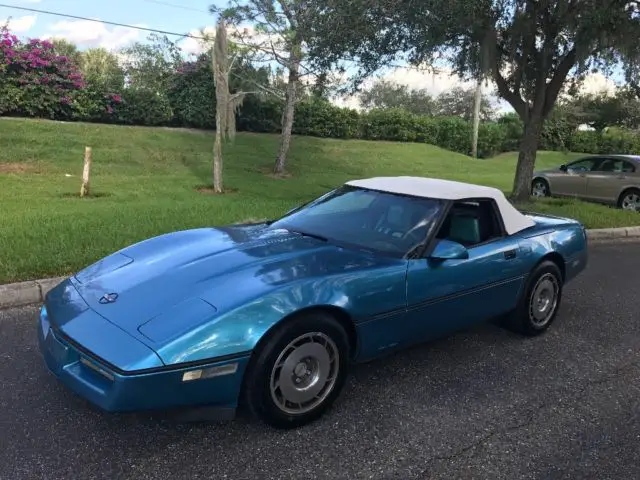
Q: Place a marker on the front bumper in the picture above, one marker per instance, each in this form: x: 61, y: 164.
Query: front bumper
x: 154, y: 389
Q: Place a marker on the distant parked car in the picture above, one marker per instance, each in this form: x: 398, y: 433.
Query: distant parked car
x: 609, y: 179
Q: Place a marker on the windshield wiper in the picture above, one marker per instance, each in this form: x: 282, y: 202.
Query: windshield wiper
x: 311, y: 235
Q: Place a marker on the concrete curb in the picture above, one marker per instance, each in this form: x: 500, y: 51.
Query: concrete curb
x: 613, y: 233
x: 26, y: 293
x: 34, y: 291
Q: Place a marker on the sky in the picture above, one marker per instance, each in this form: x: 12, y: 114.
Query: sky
x: 183, y: 16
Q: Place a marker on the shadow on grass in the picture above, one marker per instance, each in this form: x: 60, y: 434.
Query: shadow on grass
x: 199, y: 169
x: 207, y: 189
x: 88, y: 197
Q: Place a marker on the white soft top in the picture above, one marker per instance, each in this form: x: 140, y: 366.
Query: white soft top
x: 513, y: 220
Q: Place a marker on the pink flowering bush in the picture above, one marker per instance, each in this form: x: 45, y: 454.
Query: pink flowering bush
x: 34, y: 80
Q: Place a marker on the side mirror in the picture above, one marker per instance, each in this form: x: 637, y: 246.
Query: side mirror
x: 563, y: 167
x: 448, y: 250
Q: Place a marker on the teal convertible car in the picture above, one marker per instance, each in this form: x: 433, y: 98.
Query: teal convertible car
x: 272, y: 315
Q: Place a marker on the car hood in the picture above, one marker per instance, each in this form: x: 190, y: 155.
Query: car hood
x: 204, y: 271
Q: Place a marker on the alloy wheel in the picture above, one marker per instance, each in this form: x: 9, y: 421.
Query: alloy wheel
x: 304, y: 373
x: 631, y: 202
x: 544, y: 300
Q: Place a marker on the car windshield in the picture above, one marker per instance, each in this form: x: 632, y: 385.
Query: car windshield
x: 366, y: 219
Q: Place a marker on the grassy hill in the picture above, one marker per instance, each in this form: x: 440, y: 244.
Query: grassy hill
x: 145, y: 182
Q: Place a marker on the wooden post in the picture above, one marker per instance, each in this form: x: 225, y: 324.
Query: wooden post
x: 84, y: 190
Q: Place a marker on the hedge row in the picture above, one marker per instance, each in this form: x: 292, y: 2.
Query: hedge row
x: 322, y: 119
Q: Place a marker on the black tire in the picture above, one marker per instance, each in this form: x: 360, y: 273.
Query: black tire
x: 522, y: 320
x: 257, y: 394
x: 544, y: 186
x: 628, y: 191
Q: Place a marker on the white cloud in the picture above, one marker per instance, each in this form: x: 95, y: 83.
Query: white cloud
x: 434, y: 81
x: 244, y: 34
x: 443, y: 80
x: 85, y: 33
x: 20, y: 24
x: 193, y: 46
x: 597, y: 83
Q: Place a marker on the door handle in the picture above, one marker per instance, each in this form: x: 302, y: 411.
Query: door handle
x: 510, y: 254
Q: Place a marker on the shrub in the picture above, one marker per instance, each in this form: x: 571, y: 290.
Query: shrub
x: 320, y: 118
x: 513, y: 128
x: 556, y: 133
x: 93, y: 105
x: 585, y: 142
x: 491, y: 138
x: 192, y: 95
x: 144, y: 107
x: 34, y: 80
x: 394, y: 124
x: 260, y: 116
x: 619, y: 140
x: 454, y: 133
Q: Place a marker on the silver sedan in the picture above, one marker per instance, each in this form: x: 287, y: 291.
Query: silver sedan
x: 608, y: 179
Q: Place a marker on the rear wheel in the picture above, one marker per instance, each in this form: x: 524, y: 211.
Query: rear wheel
x: 538, y: 306
x: 630, y: 200
x: 540, y: 188
x: 298, y: 372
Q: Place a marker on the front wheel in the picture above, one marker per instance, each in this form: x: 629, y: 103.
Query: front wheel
x: 540, y: 188
x: 538, y: 306
x: 299, y: 372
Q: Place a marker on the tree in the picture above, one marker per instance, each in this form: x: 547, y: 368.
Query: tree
x: 65, y: 48
x: 277, y: 37
x: 227, y: 104
x: 152, y: 65
x: 101, y: 67
x: 389, y: 94
x: 477, y: 105
x: 532, y: 46
x: 459, y: 102
x: 603, y: 109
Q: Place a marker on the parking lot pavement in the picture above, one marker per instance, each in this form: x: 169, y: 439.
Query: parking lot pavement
x: 481, y: 404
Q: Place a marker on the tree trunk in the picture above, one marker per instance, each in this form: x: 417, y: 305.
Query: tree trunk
x: 217, y: 156
x: 287, y: 123
x: 476, y: 119
x: 527, y: 159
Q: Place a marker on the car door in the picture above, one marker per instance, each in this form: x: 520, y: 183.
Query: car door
x: 608, y: 179
x: 573, y: 181
x: 444, y: 296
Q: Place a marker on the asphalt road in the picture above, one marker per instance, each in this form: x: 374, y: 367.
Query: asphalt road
x: 481, y: 404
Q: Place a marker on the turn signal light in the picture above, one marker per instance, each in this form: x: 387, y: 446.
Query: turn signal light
x: 210, y: 372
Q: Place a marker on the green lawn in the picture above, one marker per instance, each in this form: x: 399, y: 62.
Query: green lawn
x: 145, y: 183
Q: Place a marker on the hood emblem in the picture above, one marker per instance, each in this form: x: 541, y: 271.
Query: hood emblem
x: 108, y: 298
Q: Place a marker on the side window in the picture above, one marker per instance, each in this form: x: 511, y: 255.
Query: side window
x: 585, y: 165
x: 471, y: 223
x: 607, y: 165
x: 614, y: 165
x: 623, y: 166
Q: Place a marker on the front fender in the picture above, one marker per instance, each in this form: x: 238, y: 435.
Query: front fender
x: 238, y: 330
